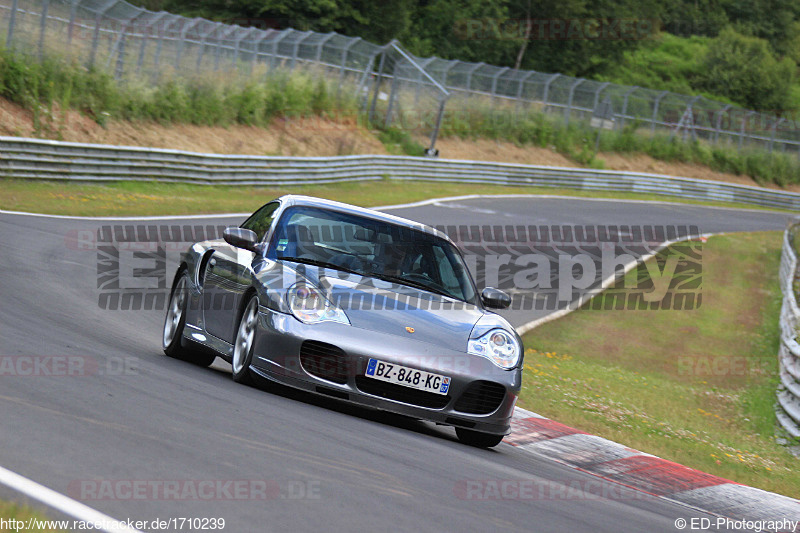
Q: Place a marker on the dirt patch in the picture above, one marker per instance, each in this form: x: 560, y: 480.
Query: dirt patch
x: 504, y: 152
x: 290, y: 137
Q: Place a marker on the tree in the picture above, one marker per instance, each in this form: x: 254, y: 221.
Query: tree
x: 744, y: 69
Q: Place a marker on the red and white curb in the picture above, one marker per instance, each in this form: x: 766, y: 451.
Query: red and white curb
x: 647, y: 473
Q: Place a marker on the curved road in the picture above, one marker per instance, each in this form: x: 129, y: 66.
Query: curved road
x: 131, y: 414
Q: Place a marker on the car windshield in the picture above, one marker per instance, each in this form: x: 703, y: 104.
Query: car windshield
x: 372, y: 248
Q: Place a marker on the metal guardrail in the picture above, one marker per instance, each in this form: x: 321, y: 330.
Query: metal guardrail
x: 788, y: 406
x: 55, y: 160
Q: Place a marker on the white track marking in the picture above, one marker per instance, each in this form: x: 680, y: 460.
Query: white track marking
x: 60, y: 502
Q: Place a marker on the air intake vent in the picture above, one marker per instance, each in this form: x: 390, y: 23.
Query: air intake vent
x: 324, y: 361
x: 481, y: 398
x: 398, y: 393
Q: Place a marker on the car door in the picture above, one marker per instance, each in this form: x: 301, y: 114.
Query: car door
x: 229, y: 274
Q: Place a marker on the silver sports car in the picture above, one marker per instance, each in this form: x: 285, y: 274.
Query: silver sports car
x: 354, y: 304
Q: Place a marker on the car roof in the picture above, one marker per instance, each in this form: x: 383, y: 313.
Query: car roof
x: 311, y: 201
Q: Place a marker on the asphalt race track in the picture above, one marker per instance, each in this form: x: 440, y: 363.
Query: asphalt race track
x: 131, y: 415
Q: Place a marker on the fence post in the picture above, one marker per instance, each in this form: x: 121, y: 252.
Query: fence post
x: 392, y: 95
x: 146, y: 32
x: 522, y: 86
x: 43, y: 26
x: 296, y: 50
x: 343, y: 68
x: 625, y: 104
x: 423, y: 64
x: 12, y: 22
x: 119, y: 70
x: 597, y: 94
x: 435, y: 133
x: 547, y: 88
x: 494, y: 83
x: 378, y: 80
x: 285, y: 33
x: 469, y: 77
x: 161, y: 32
x: 568, y: 111
x: 321, y: 45
x: 96, y: 35
x: 775, y: 125
x: 73, y: 13
x: 661, y: 95
x: 744, y: 121
x: 719, y: 122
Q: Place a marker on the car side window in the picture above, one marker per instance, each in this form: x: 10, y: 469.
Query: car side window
x: 261, y: 220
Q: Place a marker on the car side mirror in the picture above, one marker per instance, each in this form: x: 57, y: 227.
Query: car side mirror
x: 241, y: 238
x: 495, y: 298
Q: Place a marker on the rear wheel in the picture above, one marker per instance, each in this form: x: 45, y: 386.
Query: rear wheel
x: 477, y: 438
x: 172, y: 342
x: 243, y: 346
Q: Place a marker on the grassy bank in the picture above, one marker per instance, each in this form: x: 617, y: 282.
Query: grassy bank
x: 696, y: 387
x: 148, y: 198
x: 48, y: 87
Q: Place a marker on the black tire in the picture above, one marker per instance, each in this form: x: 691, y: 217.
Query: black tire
x: 243, y: 345
x: 478, y: 439
x: 172, y: 341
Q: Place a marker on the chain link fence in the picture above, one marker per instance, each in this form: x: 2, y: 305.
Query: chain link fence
x: 394, y: 86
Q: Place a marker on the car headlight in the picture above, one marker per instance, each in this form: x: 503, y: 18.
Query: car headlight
x: 497, y: 345
x: 309, y: 305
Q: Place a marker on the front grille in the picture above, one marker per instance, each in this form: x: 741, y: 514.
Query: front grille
x: 324, y: 360
x: 481, y: 398
x: 400, y: 393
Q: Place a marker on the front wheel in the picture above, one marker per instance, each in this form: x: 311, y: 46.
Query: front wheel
x: 172, y: 341
x: 243, y: 347
x: 478, y: 439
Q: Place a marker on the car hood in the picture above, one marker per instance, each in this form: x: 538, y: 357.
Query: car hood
x: 374, y: 304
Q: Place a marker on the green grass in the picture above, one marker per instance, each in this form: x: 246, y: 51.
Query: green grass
x: 11, y: 510
x: 474, y: 119
x: 696, y: 387
x: 143, y: 198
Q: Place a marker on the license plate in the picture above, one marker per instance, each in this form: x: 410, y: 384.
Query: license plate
x: 408, y: 377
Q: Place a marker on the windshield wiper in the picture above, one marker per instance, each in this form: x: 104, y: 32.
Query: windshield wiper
x: 319, y: 263
x: 416, y: 284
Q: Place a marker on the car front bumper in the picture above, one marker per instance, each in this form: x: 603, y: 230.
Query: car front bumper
x: 331, y: 358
